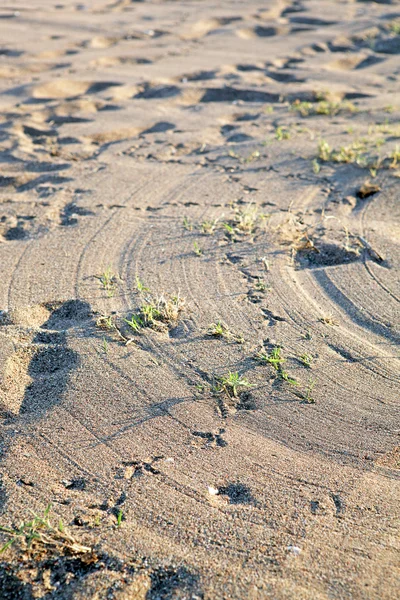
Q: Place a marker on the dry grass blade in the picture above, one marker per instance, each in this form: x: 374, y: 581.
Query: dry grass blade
x: 40, y: 532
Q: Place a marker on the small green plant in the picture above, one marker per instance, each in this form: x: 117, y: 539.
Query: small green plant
x: 108, y: 280
x: 157, y: 313
x: 323, y: 107
x: 316, y: 166
x: 96, y: 522
x: 105, y: 322
x: 233, y: 154
x: 134, y: 323
x: 324, y: 151
x: 120, y: 517
x: 253, y: 156
x: 229, y: 229
x: 162, y: 311
x: 350, y: 154
x: 246, y: 218
x: 140, y: 286
x: 219, y: 329
x: 187, y: 224
x: 328, y: 320
x: 209, y: 227
x: 306, y: 360
x: 394, y: 27
x: 355, y: 153
x: 274, y: 358
x: 308, y: 397
x: 395, y: 157
x: 197, y: 250
x: 286, y: 377
x: 39, y: 532
x: 282, y: 133
x: 232, y: 383
x: 105, y: 346
x: 304, y: 108
x: 260, y: 285
x: 150, y: 314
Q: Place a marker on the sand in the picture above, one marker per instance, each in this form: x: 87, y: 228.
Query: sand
x: 244, y: 157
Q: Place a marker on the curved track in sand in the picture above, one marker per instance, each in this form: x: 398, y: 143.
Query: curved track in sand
x: 123, y: 138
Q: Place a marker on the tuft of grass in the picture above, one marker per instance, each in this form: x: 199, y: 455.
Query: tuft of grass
x: 134, y: 323
x: 120, y: 517
x: 328, y: 320
x: 196, y: 249
x: 157, y: 313
x: 316, y: 166
x: 394, y: 27
x: 150, y: 314
x: 209, y: 227
x: 323, y: 107
x: 395, y: 157
x: 188, y: 225
x: 232, y: 383
x: 260, y: 285
x: 39, y: 532
x: 109, y: 281
x: 307, y: 393
x: 168, y: 308
x: 140, y: 286
x: 105, y: 346
x: 274, y: 358
x: 350, y: 154
x: 303, y: 108
x: 282, y: 133
x: 96, y: 522
x: 105, y: 322
x: 220, y: 330
x: 324, y: 150
x: 286, y: 377
x: 306, y: 360
x: 355, y: 153
x: 253, y: 156
x: 246, y: 218
x: 229, y: 229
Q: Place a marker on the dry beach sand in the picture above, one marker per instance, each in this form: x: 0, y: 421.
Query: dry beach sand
x: 239, y: 160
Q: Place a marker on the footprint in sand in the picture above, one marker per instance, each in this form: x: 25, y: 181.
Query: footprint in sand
x: 206, y: 26
x: 67, y: 88
x: 36, y: 358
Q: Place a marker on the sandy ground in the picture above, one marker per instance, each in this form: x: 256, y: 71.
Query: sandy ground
x: 241, y: 155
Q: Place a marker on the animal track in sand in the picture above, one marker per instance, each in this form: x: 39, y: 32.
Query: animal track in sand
x: 259, y: 31
x: 347, y: 63
x: 100, y: 43
x: 206, y: 26
x: 68, y: 88
x: 113, y: 61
